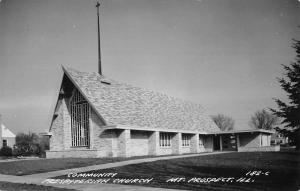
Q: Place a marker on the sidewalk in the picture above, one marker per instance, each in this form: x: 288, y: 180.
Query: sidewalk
x: 38, y: 178
x: 21, y: 159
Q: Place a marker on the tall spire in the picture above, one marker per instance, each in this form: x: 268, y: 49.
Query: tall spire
x: 99, y: 48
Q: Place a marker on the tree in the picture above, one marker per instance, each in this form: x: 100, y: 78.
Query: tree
x: 290, y: 112
x: 224, y: 122
x: 263, y: 120
x: 27, y: 144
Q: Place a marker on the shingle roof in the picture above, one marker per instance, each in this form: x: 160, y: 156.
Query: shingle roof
x: 123, y: 104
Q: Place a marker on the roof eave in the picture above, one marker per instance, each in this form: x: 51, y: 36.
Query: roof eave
x: 83, y: 94
x: 244, y: 131
x: 133, y: 127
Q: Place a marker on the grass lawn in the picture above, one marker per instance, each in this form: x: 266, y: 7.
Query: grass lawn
x: 26, y: 167
x: 280, y: 171
x: 28, y: 187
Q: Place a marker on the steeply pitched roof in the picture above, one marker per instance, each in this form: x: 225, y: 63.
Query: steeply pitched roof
x: 6, y: 132
x: 123, y: 104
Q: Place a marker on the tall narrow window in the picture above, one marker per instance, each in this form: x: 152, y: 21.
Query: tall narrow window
x: 164, y: 139
x: 186, y: 140
x: 200, y: 141
x: 79, y: 120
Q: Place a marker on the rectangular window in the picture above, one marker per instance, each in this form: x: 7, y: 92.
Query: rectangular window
x: 186, y: 140
x: 164, y: 139
x: 80, y: 112
x: 200, y: 141
x: 264, y: 140
x: 4, y: 143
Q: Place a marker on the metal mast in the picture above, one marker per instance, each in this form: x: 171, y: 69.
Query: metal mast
x: 99, y: 48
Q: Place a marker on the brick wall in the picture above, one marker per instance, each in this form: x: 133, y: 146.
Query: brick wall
x: 177, y: 143
x: 139, y: 143
x: 66, y: 124
x: 57, y: 139
x: 102, y: 140
x: 165, y: 151
x: 153, y: 143
x: 124, y: 143
x: 186, y: 149
x: 72, y: 153
x: 61, y: 128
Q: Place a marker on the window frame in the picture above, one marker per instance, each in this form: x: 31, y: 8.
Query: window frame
x: 80, y: 116
x: 201, y: 141
x: 165, y: 140
x: 185, y: 140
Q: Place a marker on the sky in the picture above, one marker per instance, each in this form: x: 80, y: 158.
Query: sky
x: 223, y: 54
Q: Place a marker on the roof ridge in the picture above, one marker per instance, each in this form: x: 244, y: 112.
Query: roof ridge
x: 122, y: 103
x: 173, y: 98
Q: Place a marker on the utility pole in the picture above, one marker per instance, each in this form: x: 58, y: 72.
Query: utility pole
x: 99, y: 48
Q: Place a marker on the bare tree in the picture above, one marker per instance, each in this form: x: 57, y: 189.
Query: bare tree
x: 264, y: 120
x: 224, y: 122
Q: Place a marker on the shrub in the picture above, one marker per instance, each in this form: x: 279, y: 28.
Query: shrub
x: 30, y: 144
x: 6, y: 151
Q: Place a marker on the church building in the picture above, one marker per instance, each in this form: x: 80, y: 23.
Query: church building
x: 98, y: 117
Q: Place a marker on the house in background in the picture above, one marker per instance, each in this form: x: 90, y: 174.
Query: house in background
x: 99, y: 117
x: 279, y: 139
x: 7, y: 138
